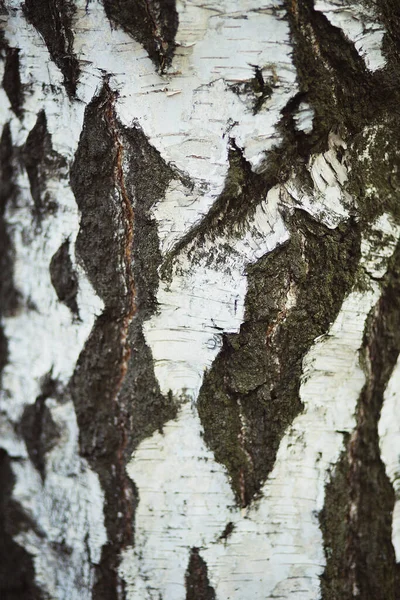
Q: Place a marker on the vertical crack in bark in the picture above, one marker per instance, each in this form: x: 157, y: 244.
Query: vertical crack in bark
x: 357, y: 517
x: 251, y: 393
x: 53, y: 20
x: 153, y: 23
x: 197, y: 585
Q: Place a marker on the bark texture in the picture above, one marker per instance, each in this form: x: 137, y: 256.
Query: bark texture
x: 199, y: 299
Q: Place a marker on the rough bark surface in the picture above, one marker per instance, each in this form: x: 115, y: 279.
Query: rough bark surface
x: 199, y: 299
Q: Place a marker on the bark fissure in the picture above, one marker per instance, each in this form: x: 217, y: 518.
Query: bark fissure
x: 64, y: 278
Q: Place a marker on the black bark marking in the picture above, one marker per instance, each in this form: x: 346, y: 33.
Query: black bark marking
x: 153, y: 23
x: 38, y: 428
x: 357, y: 517
x: 116, y: 396
x: 147, y: 180
x: 63, y: 277
x: 257, y: 88
x: 331, y: 74
x: 227, y: 531
x: 196, y: 580
x: 16, y: 565
x: 41, y: 161
x: 9, y: 297
x: 12, y: 81
x: 53, y: 20
x: 101, y: 246
x: 251, y: 393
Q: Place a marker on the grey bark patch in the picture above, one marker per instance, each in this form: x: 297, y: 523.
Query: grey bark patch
x: 38, y: 428
x: 41, y: 161
x: 153, y: 23
x: 53, y: 20
x: 251, y: 393
x: 63, y: 277
x: 197, y: 584
x: 16, y: 565
x: 12, y: 80
x: 357, y: 517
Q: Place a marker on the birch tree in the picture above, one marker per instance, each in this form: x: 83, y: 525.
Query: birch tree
x: 200, y: 299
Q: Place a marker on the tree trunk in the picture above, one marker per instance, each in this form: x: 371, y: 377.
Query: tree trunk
x: 200, y: 299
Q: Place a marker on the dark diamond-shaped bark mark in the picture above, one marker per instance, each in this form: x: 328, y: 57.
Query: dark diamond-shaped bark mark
x: 64, y: 278
x: 153, y: 23
x: 116, y: 177
x: 197, y: 584
x: 251, y: 393
x: 12, y: 80
x: 41, y: 162
x: 53, y: 20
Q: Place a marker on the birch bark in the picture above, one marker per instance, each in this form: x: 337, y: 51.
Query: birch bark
x: 200, y: 299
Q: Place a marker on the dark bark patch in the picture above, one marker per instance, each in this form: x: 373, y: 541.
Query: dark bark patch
x: 12, y: 80
x: 63, y: 277
x: 357, y: 517
x: 9, y: 297
x: 102, y: 246
x: 101, y: 238
x: 38, y: 428
x: 16, y: 565
x: 41, y: 161
x: 251, y: 393
x: 331, y: 73
x: 53, y: 20
x: 153, y: 23
x: 196, y: 579
x: 116, y: 177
